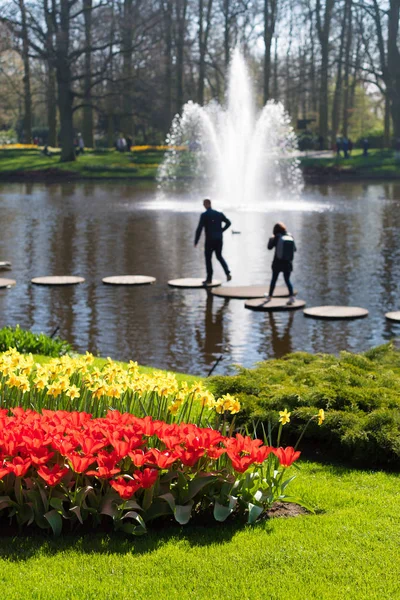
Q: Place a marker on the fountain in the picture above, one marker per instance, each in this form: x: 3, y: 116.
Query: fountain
x: 234, y: 155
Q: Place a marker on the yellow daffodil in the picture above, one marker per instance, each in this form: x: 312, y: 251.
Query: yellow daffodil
x: 321, y: 416
x: 73, y: 392
x: 284, y: 416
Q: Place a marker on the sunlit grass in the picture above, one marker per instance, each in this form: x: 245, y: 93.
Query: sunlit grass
x: 349, y: 550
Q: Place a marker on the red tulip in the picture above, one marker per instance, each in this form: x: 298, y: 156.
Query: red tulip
x: 80, y: 463
x: 286, y: 456
x: 125, y: 488
x: 52, y: 475
x: 146, y: 478
x: 19, y: 466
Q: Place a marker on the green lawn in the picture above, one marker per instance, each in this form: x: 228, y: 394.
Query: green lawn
x: 108, y: 164
x: 348, y: 550
x: 379, y: 164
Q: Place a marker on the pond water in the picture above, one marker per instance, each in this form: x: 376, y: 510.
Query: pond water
x: 348, y: 240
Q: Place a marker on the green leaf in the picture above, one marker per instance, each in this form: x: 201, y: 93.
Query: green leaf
x: 132, y: 504
x: 77, y: 511
x: 57, y: 504
x: 221, y: 513
x: 108, y: 506
x: 254, y: 513
x: 182, y: 513
x: 5, y: 502
x: 286, y: 483
x: 159, y: 508
x: 298, y: 501
x: 55, y: 521
x: 169, y: 499
x: 198, y: 484
x: 138, y: 529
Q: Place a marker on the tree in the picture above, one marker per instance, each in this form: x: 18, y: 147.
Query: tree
x: 323, y: 29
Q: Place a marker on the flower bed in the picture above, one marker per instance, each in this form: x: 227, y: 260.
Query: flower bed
x: 73, y: 383
x: 59, y: 467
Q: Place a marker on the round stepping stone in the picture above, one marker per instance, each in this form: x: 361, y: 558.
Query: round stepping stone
x: 129, y: 280
x: 250, y: 291
x: 274, y: 304
x: 57, y: 280
x: 192, y: 282
x: 336, y: 312
x: 5, y: 283
x: 393, y: 316
x: 5, y: 265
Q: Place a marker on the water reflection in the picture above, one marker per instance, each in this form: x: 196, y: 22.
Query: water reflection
x: 348, y: 253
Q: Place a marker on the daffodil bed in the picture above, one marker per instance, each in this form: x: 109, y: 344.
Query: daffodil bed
x: 81, y: 444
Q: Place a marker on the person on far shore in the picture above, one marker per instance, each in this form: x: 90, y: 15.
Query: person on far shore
x: 365, y: 145
x: 338, y: 146
x: 211, y: 221
x: 345, y: 146
x: 81, y: 144
x: 285, y: 248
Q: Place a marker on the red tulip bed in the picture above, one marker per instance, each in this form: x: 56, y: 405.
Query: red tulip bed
x: 62, y: 469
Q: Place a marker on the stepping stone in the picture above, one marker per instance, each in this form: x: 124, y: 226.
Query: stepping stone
x: 393, y: 316
x: 336, y: 312
x: 274, y: 304
x: 129, y: 280
x: 192, y: 282
x: 57, y: 280
x: 5, y: 283
x: 5, y: 265
x: 250, y: 291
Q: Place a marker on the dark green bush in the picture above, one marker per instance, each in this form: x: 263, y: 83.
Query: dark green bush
x: 359, y: 392
x: 27, y: 341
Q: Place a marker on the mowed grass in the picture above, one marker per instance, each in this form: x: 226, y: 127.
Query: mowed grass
x: 348, y: 550
x: 378, y: 163
x: 105, y: 164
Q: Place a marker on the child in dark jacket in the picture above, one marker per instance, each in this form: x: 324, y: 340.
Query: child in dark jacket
x: 284, y: 246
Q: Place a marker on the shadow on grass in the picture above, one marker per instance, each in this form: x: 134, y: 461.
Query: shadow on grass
x: 19, y: 548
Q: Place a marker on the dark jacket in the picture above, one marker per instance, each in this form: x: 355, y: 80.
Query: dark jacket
x: 279, y: 264
x: 212, y: 221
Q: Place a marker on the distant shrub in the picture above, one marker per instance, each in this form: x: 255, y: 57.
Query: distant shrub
x: 359, y: 392
x: 27, y: 341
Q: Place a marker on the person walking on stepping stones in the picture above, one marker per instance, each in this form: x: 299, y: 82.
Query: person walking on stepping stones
x: 211, y: 220
x: 285, y: 248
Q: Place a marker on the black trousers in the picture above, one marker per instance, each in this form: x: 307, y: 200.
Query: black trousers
x: 210, y: 247
x: 275, y: 275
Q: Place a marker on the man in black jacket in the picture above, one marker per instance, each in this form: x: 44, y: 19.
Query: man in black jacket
x: 211, y: 220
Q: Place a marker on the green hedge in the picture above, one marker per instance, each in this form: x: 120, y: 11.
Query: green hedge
x: 359, y: 392
x: 37, y: 343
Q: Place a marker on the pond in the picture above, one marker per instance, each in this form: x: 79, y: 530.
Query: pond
x: 348, y: 240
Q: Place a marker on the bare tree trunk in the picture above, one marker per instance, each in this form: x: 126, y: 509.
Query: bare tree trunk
x: 275, y: 92
x: 109, y: 87
x: 346, y: 82
x: 203, y: 45
x: 270, y: 10
x: 313, y: 83
x: 339, y: 79
x: 51, y: 92
x: 181, y: 6
x: 87, y: 129
x: 386, y: 133
x: 323, y: 29
x: 227, y: 40
x: 27, y: 76
x: 64, y: 81
x: 127, y: 68
x: 167, y: 9
x: 393, y: 65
